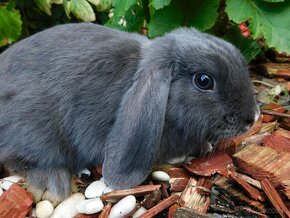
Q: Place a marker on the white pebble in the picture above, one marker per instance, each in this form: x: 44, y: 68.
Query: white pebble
x: 90, y: 206
x: 1, y: 191
x: 160, y: 176
x: 84, y: 171
x: 10, y: 180
x: 67, y: 208
x: 123, y: 207
x: 139, y: 212
x: 44, y: 209
x: 95, y: 189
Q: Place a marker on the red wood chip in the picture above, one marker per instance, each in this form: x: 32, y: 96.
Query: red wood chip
x: 106, y: 211
x: 263, y: 162
x: 275, y: 198
x: 191, y: 197
x: 160, y: 207
x: 211, y: 164
x: 15, y: 202
x: 251, y: 191
x: 178, y: 179
x: 278, y: 142
x: 172, y: 210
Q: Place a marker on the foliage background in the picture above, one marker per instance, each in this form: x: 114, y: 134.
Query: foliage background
x: 266, y: 23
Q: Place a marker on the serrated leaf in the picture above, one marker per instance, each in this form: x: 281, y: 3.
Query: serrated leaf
x: 203, y: 13
x: 10, y: 25
x: 248, y: 47
x: 44, y: 5
x: 158, y: 4
x: 165, y: 20
x: 104, y: 5
x: 82, y: 10
x: 267, y: 20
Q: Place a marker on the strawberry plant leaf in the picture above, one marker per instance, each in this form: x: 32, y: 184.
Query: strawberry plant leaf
x: 159, y: 4
x: 202, y: 14
x: 165, y: 20
x: 266, y: 20
x: 10, y: 25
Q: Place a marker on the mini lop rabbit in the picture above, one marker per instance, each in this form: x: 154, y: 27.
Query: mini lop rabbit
x: 77, y: 95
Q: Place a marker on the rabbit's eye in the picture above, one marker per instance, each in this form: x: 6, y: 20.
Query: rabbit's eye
x: 203, y: 81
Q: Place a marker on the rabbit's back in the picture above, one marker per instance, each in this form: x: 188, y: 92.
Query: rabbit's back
x: 59, y: 92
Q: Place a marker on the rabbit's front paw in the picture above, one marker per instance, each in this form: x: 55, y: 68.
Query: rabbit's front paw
x: 53, y: 185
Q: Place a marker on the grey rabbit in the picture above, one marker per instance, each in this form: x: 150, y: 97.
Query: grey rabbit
x: 76, y: 95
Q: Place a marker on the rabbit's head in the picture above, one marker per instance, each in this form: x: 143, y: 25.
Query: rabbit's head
x: 195, y: 81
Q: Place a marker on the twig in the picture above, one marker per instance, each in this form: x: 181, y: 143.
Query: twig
x: 275, y: 113
x: 137, y: 191
x: 264, y: 83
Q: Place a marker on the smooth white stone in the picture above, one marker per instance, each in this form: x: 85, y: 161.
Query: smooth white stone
x: 44, y: 209
x: 90, y: 206
x: 123, y: 207
x: 67, y: 208
x: 160, y: 176
x: 10, y: 180
x: 1, y: 191
x: 84, y: 171
x: 95, y: 189
x: 139, y: 212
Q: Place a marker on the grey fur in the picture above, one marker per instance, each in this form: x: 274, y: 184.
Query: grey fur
x: 80, y: 94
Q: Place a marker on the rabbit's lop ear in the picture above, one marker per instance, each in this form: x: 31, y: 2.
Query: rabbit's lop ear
x: 136, y: 134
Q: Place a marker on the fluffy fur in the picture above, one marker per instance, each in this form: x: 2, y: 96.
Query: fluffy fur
x: 81, y: 94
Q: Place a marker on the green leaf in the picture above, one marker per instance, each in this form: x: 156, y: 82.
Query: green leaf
x: 44, y: 5
x: 131, y: 21
x: 82, y: 10
x: 67, y: 7
x: 121, y: 6
x: 10, y: 25
x: 94, y: 2
x: 248, y: 47
x: 202, y: 14
x: 165, y: 20
x: 58, y: 2
x: 273, y: 1
x: 126, y: 15
x: 159, y: 4
x: 267, y: 20
x: 104, y: 5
